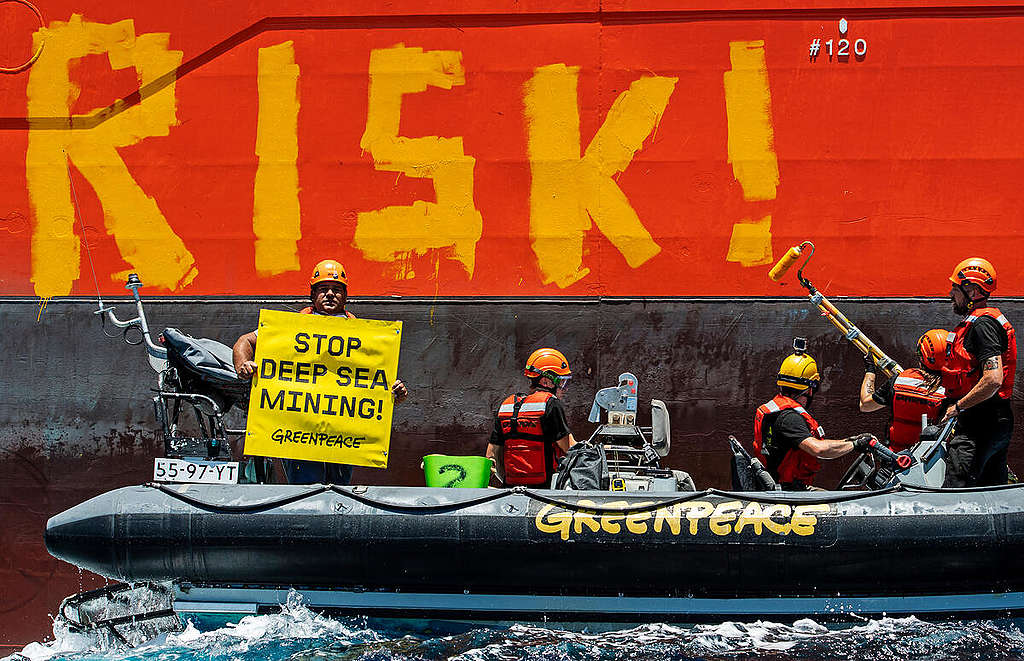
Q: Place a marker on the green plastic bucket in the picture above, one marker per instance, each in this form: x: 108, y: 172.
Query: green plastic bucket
x: 442, y: 470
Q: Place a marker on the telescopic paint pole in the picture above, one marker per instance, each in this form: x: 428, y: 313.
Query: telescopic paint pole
x: 849, y: 330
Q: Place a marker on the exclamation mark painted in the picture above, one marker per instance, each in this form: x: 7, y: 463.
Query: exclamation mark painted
x: 748, y: 109
x: 276, y: 217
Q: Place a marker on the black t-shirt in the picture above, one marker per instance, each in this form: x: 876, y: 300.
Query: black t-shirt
x: 985, y: 338
x: 553, y: 423
x: 783, y: 432
x: 885, y: 394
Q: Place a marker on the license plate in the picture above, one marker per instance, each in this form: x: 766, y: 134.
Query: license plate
x: 195, y: 471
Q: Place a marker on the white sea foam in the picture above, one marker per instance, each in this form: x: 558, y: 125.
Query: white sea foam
x: 298, y: 634
x: 294, y: 622
x: 886, y: 638
x: 64, y: 643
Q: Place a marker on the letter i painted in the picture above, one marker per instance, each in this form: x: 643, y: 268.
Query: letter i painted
x: 751, y: 149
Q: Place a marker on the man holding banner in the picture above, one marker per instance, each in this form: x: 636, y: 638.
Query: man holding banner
x: 315, y: 400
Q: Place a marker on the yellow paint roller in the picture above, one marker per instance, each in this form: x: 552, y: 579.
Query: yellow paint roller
x: 886, y: 365
x: 788, y: 260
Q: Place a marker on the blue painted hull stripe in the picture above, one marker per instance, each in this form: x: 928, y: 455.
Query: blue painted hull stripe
x: 236, y: 600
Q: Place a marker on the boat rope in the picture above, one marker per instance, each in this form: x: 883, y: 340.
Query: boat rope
x: 344, y: 491
x: 923, y: 488
x: 85, y: 234
x: 434, y: 507
x: 254, y: 507
x: 497, y: 494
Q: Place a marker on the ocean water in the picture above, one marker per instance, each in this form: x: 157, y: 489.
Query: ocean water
x: 298, y: 634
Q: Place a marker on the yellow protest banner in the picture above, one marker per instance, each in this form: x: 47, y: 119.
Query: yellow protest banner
x: 322, y: 389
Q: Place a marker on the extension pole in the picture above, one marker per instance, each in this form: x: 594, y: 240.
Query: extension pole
x: 849, y: 330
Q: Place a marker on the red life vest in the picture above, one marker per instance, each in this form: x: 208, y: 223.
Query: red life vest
x: 962, y: 372
x: 309, y: 310
x: 910, y: 401
x: 528, y: 459
x: 797, y: 465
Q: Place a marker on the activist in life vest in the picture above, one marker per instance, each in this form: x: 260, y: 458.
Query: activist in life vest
x: 328, y: 294
x: 787, y: 439
x: 981, y: 362
x: 530, y: 430
x: 912, y: 393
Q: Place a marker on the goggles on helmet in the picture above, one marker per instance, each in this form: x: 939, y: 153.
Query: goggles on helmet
x: 557, y: 379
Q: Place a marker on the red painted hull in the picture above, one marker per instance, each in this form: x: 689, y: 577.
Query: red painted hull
x: 897, y: 164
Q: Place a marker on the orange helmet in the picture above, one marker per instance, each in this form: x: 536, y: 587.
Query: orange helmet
x: 550, y: 363
x: 931, y: 348
x: 977, y: 270
x: 328, y: 271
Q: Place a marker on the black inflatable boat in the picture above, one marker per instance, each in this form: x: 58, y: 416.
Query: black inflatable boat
x: 521, y: 554
x: 657, y: 551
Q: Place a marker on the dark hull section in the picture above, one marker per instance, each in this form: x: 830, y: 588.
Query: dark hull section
x: 75, y: 420
x: 422, y: 540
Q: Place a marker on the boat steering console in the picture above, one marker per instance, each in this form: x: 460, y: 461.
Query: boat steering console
x: 633, y: 452
x: 920, y: 465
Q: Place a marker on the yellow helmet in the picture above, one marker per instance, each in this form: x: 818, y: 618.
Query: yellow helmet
x: 799, y: 372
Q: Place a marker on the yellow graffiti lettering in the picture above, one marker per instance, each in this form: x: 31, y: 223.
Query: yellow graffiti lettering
x: 776, y: 518
x: 804, y: 519
x: 559, y: 522
x: 780, y: 510
x: 672, y: 514
x: 635, y: 521
x: 452, y: 223
x: 748, y: 111
x: 141, y: 232
x: 584, y: 518
x: 751, y: 516
x: 751, y: 149
x: 695, y: 511
x: 275, y: 216
x: 751, y: 242
x: 609, y: 521
x: 566, y: 191
x: 724, y: 514
x: 669, y: 515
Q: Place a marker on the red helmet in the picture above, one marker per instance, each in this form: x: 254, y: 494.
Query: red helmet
x: 977, y: 270
x: 931, y: 349
x: 550, y: 363
x: 328, y: 271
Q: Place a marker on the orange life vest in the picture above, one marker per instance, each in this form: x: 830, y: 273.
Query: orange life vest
x: 910, y: 401
x: 962, y: 372
x: 528, y: 458
x: 796, y: 465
